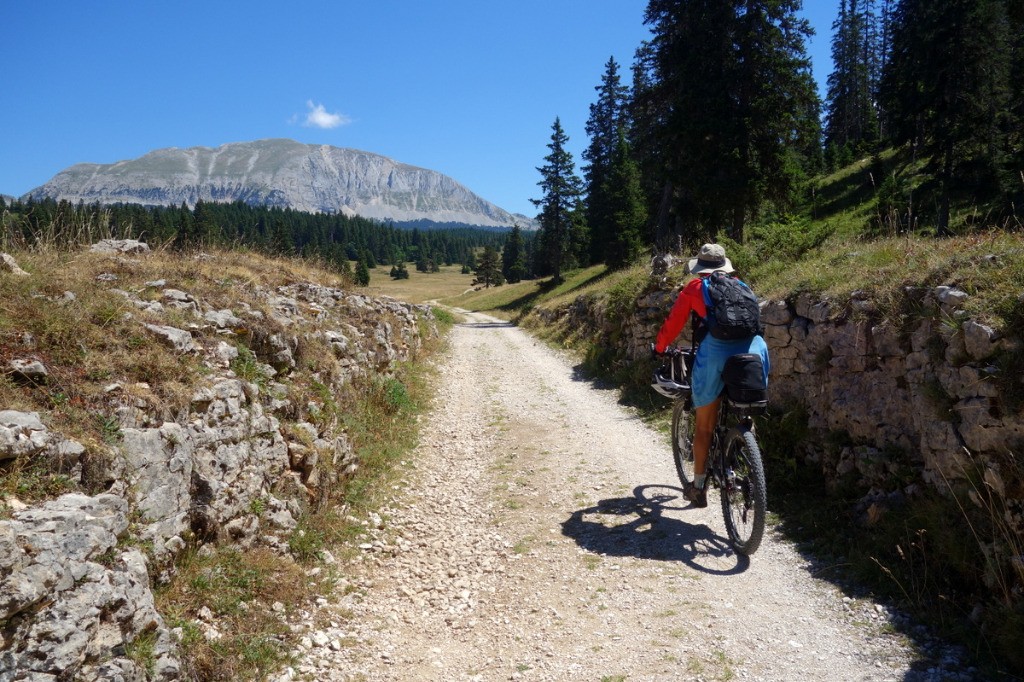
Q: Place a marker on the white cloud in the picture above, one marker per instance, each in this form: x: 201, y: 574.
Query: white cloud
x: 319, y: 117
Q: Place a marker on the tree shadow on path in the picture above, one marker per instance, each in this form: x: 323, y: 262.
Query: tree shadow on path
x: 639, y: 527
x: 487, y: 325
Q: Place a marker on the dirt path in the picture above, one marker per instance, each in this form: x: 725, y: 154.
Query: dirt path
x: 541, y: 535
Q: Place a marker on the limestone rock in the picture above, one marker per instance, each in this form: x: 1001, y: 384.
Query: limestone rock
x: 21, y: 434
x: 25, y: 369
x: 950, y: 297
x: 180, y: 300
x: 8, y: 264
x: 222, y: 469
x: 178, y: 339
x: 282, y: 173
x: 223, y: 319
x: 979, y: 340
x: 159, y: 464
x: 120, y: 246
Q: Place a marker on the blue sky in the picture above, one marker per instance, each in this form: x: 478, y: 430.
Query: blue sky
x: 466, y: 87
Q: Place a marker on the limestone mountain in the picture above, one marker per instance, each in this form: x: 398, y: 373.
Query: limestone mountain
x: 284, y: 173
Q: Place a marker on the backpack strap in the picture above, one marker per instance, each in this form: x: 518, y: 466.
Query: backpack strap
x: 698, y: 330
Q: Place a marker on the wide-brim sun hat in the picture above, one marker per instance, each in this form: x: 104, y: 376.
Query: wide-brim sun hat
x: 711, y: 257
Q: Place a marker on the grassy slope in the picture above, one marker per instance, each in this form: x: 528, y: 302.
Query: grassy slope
x: 863, y: 249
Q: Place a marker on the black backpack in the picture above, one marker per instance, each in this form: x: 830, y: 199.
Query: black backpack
x: 732, y: 308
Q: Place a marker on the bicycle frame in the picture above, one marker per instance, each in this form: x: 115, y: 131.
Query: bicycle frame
x: 716, y: 467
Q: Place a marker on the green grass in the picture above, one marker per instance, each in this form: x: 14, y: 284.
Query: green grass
x: 141, y: 650
x: 420, y: 287
x: 237, y: 587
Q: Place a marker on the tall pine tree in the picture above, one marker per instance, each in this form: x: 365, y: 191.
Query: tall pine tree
x: 946, y: 89
x: 1014, y: 122
x: 513, y: 256
x: 607, y: 116
x: 732, y: 80
x: 488, y: 269
x: 561, y: 191
x: 626, y: 204
x: 851, y: 117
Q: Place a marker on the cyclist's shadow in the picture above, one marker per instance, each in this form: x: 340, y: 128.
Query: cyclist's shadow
x: 638, y: 527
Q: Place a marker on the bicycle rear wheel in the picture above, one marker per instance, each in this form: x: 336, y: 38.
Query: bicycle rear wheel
x: 743, y: 491
x: 682, y: 441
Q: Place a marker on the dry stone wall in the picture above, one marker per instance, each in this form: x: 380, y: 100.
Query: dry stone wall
x: 74, y: 586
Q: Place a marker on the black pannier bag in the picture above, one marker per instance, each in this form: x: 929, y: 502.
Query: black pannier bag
x: 744, y: 379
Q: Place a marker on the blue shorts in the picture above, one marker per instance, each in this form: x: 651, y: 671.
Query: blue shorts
x: 711, y: 356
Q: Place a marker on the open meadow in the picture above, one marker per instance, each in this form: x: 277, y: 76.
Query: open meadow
x: 420, y: 287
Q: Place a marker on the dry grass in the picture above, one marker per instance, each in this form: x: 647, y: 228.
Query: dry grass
x: 420, y: 287
x: 988, y: 265
x: 250, y: 595
x: 97, y: 338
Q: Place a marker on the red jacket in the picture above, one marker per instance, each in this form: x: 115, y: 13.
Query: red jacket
x: 690, y: 298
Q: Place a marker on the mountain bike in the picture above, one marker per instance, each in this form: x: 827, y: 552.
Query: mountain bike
x: 734, y: 465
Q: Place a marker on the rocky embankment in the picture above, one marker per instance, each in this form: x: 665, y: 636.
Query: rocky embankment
x: 241, y: 460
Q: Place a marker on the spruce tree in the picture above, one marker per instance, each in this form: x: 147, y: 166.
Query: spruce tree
x: 561, y: 191
x: 185, y: 239
x: 362, y: 274
x: 852, y: 119
x: 205, y: 230
x: 732, y: 97
x: 488, y: 269
x: 946, y: 88
x: 607, y: 116
x: 626, y: 205
x: 1014, y: 122
x: 513, y: 256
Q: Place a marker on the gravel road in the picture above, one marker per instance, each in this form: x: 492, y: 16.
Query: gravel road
x: 539, y: 533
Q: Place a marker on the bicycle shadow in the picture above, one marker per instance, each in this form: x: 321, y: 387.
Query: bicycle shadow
x: 650, y: 534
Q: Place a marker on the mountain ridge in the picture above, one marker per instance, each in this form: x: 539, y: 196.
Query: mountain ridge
x: 284, y: 173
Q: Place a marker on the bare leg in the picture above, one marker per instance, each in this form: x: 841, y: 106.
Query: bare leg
x: 704, y: 426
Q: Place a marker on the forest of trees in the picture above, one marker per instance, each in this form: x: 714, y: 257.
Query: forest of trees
x: 335, y: 239
x: 722, y: 125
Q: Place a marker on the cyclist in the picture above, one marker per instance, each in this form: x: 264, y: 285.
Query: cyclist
x: 706, y: 380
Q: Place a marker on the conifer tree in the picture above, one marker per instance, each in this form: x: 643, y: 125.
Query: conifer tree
x: 185, y: 239
x: 362, y: 274
x: 607, y: 116
x: 488, y: 269
x: 399, y: 271
x: 513, y: 256
x: 561, y: 191
x: 205, y: 229
x: 1014, y: 123
x: 626, y: 205
x: 733, y: 96
x: 852, y: 119
x: 946, y: 88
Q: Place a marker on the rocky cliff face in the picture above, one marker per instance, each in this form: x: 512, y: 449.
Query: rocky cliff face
x: 312, y: 178
x: 239, y: 462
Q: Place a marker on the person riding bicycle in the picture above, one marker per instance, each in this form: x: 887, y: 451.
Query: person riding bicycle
x: 706, y: 380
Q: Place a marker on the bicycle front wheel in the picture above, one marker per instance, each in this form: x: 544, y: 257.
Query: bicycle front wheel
x: 743, y: 493
x: 682, y: 441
